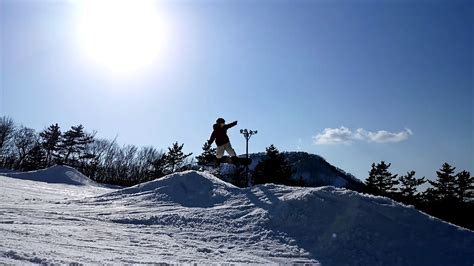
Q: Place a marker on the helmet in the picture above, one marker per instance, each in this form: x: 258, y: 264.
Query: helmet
x: 220, y: 120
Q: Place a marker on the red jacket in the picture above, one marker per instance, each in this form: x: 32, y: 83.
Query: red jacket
x: 220, y: 134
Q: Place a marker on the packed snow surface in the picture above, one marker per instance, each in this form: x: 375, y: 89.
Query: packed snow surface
x: 193, y: 217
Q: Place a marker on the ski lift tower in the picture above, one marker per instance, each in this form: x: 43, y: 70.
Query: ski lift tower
x: 247, y: 135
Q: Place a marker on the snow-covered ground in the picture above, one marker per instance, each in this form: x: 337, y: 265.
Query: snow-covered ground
x: 195, y: 217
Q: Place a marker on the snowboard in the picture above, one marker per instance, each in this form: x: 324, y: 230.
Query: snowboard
x: 237, y: 161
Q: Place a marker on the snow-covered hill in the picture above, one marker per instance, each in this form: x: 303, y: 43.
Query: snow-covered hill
x: 56, y: 174
x: 195, y: 217
x: 315, y: 170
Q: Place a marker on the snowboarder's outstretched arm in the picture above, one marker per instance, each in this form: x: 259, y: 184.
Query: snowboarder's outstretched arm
x: 231, y: 125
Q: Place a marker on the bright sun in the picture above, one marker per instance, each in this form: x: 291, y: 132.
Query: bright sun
x: 123, y: 36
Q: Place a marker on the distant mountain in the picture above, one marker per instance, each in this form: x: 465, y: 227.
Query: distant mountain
x: 316, y: 171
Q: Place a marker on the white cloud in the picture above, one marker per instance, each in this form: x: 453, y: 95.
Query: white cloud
x: 344, y: 135
x: 341, y: 135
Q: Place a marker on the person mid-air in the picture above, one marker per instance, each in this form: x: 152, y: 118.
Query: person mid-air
x: 219, y: 134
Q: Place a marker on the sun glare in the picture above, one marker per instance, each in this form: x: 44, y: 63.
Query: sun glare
x: 122, y: 36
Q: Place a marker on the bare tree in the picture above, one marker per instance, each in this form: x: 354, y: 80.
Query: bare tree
x: 25, y: 140
x: 145, y: 158
x: 7, y: 128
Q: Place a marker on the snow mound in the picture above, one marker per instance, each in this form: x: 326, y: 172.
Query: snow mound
x: 339, y: 225
x: 193, y: 217
x: 189, y: 189
x: 56, y: 174
x: 334, y: 226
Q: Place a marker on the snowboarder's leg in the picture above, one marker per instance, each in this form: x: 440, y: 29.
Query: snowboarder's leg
x: 230, y: 150
x: 220, y: 151
x: 219, y: 154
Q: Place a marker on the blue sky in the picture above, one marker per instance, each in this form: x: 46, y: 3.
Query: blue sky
x: 306, y: 74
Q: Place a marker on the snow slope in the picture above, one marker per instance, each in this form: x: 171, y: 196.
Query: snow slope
x: 195, y: 217
x: 55, y: 174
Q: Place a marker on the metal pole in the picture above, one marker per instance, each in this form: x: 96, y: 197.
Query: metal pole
x: 247, y: 134
x: 247, y: 156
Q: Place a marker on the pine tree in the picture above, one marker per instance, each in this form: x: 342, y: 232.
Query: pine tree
x: 408, y: 186
x: 208, y: 152
x: 275, y: 168
x: 50, y: 139
x: 35, y: 159
x: 464, y: 187
x: 371, y: 181
x: 73, y: 143
x: 381, y: 181
x: 444, y: 188
x: 175, y: 157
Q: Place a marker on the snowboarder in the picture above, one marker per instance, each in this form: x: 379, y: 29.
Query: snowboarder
x: 222, y: 140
